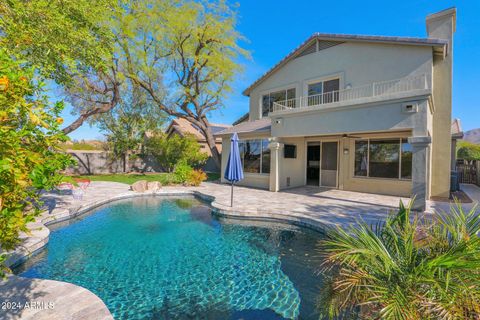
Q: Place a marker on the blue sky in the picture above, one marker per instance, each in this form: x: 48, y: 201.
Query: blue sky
x: 273, y: 28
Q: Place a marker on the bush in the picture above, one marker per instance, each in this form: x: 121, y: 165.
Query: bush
x: 30, y: 154
x: 182, y: 172
x: 468, y: 151
x: 170, y: 151
x: 188, y: 176
x: 196, y: 177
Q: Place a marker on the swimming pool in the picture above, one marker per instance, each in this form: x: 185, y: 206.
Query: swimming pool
x: 170, y: 258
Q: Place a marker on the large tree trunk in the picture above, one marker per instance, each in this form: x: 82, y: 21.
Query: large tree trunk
x: 213, y: 148
x: 207, y: 132
x: 126, y: 161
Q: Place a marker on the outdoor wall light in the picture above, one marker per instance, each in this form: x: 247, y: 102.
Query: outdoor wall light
x: 345, y: 151
x: 348, y: 86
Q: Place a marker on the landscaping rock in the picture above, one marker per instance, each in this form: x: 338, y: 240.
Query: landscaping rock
x: 154, y: 185
x: 140, y: 186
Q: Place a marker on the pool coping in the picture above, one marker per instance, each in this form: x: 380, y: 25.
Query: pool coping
x: 38, y: 236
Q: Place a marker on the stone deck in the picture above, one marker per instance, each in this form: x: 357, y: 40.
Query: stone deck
x: 310, y: 206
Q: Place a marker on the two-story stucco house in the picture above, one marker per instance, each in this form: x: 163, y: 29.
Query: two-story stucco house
x: 353, y: 112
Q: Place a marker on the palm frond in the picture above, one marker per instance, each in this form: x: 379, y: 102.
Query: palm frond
x: 405, y: 267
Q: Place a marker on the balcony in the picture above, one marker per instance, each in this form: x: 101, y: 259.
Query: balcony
x: 375, y: 91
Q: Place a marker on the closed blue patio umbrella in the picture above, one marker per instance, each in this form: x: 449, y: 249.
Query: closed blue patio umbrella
x: 234, y: 169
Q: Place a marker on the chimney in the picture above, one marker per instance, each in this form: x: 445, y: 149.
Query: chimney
x: 441, y: 25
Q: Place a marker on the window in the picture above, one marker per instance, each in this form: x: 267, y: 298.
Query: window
x: 323, y: 92
x: 361, y: 158
x: 290, y: 151
x: 255, y: 156
x: 282, y: 95
x: 265, y: 157
x: 386, y: 158
x: 383, y: 158
x: 406, y: 160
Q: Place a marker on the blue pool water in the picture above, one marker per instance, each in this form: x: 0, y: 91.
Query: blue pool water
x: 169, y: 258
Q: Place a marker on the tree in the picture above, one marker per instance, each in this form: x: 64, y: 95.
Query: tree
x: 30, y: 153
x: 174, y: 150
x: 69, y: 41
x: 468, y: 151
x: 404, y: 268
x: 184, y: 54
x: 126, y: 125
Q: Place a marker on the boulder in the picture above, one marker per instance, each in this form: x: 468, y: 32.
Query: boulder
x: 154, y: 185
x: 139, y: 186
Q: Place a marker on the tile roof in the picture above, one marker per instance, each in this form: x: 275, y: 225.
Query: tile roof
x: 241, y: 119
x: 183, y: 126
x: 438, y: 43
x: 456, y: 129
x: 260, y: 126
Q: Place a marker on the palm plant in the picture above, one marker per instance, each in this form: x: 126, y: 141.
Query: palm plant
x: 404, y: 268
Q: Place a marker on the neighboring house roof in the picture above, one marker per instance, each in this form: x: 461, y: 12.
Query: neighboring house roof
x: 456, y: 129
x: 182, y: 127
x: 258, y: 126
x: 241, y: 119
x: 439, y: 46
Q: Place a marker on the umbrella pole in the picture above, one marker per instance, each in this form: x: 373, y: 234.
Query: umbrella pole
x: 231, y: 196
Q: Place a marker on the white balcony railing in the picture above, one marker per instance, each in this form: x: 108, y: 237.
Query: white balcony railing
x: 375, y: 89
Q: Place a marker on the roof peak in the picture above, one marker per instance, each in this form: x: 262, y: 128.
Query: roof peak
x: 317, y: 36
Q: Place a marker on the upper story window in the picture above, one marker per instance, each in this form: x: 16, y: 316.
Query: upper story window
x: 326, y: 91
x: 269, y: 98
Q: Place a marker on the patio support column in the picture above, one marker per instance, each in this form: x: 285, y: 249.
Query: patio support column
x: 420, y: 170
x: 275, y: 147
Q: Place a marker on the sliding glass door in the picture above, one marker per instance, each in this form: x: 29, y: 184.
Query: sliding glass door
x: 328, y: 170
x: 322, y: 164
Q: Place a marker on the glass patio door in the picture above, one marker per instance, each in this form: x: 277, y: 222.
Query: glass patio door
x: 328, y: 166
x: 322, y: 160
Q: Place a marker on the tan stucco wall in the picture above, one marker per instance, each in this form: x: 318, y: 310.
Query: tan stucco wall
x: 293, y: 168
x: 443, y: 28
x: 357, y: 63
x: 296, y: 168
x: 354, y: 119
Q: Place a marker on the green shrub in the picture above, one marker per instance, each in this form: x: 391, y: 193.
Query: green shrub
x: 186, y: 175
x: 182, y: 172
x: 468, y: 151
x: 170, y: 151
x: 30, y: 153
